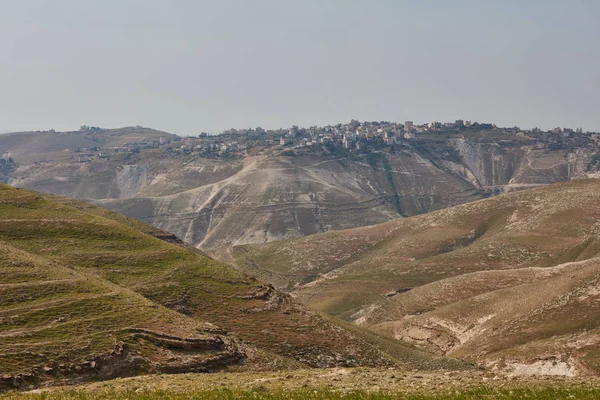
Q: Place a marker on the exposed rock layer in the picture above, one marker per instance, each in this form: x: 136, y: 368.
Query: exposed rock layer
x: 212, y: 202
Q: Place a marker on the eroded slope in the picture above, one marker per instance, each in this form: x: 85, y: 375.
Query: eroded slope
x: 509, y: 281
x: 88, y: 292
x: 266, y: 194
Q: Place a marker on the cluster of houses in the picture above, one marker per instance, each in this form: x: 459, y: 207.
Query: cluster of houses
x: 85, y: 154
x: 360, y: 135
x: 353, y: 136
x: 212, y: 145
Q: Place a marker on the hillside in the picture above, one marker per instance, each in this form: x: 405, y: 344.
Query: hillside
x: 51, y: 146
x: 87, y: 293
x: 264, y: 192
x: 509, y: 282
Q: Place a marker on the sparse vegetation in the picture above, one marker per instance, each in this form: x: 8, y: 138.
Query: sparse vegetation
x: 227, y: 394
x: 87, y: 292
x: 338, y: 384
x: 505, y: 281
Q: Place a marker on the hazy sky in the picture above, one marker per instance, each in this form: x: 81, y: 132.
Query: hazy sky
x: 192, y: 66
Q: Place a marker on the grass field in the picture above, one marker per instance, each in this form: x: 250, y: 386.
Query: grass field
x: 224, y: 394
x: 332, y: 384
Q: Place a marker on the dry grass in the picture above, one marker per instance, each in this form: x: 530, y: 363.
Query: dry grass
x: 77, y: 283
x: 471, y: 281
x: 363, y: 384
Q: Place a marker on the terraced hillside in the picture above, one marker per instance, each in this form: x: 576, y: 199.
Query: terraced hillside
x: 511, y: 282
x: 58, y: 323
x: 267, y: 193
x: 85, y: 292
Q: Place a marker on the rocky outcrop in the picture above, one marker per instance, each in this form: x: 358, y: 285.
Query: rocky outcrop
x: 177, y: 355
x: 130, y: 179
x: 7, y: 167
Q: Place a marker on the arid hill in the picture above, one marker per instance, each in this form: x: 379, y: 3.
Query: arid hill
x: 510, y: 282
x: 87, y: 293
x: 266, y: 193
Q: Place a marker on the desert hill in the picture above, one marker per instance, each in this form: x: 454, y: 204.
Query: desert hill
x: 510, y: 282
x: 29, y: 147
x: 211, y: 197
x: 87, y: 293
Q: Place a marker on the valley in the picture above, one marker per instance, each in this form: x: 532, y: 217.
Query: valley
x: 299, y: 200
x: 510, y: 282
x: 459, y: 252
x: 88, y: 294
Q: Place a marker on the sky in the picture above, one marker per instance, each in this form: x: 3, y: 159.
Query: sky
x: 187, y: 66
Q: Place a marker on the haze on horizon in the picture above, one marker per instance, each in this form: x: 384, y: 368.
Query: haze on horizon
x: 188, y: 66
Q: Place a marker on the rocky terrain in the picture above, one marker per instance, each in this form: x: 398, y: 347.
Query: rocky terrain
x: 510, y: 282
x: 456, y: 279
x: 7, y: 167
x: 86, y: 293
x: 263, y: 192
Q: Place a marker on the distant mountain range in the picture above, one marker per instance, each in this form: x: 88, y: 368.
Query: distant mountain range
x: 247, y: 187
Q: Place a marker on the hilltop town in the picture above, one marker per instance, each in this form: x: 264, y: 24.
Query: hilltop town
x: 206, y: 189
x: 353, y: 137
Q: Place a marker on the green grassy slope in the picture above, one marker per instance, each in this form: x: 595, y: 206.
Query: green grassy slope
x: 79, y: 282
x: 58, y: 323
x: 297, y: 331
